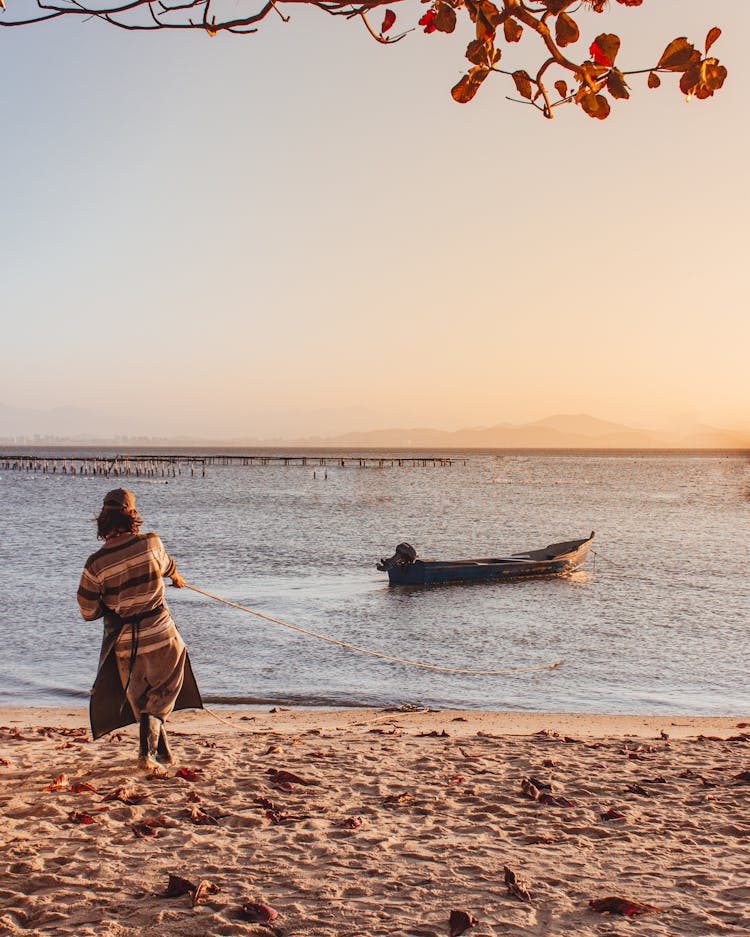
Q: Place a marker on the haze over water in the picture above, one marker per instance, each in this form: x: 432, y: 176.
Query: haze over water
x: 657, y: 621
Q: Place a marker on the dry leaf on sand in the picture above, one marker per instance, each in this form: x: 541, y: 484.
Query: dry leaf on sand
x: 460, y: 921
x: 258, y: 912
x: 614, y: 905
x: 516, y: 886
x: 127, y: 795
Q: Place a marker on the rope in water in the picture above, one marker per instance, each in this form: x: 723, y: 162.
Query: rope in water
x: 364, y: 650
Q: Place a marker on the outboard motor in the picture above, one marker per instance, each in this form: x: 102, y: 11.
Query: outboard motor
x: 404, y: 556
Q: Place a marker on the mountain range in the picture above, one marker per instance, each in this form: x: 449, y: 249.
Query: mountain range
x: 556, y: 432
x: 67, y: 425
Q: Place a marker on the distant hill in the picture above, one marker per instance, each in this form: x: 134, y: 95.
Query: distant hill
x: 556, y: 432
x: 71, y: 426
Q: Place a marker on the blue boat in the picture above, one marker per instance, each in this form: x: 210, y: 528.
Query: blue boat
x: 405, y: 568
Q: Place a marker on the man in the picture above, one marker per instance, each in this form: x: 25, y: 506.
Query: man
x: 144, y: 669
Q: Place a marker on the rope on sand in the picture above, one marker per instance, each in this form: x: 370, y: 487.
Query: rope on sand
x: 363, y: 650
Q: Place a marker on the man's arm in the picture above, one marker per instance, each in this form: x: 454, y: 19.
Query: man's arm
x: 89, y: 597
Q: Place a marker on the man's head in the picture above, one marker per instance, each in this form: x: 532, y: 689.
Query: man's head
x: 121, y: 499
x: 118, y: 514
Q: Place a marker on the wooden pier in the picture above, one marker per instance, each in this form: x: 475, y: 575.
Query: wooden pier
x: 150, y: 465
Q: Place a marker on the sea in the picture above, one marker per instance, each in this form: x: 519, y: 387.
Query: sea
x: 656, y: 622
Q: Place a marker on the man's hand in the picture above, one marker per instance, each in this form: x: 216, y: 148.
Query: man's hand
x: 177, y: 581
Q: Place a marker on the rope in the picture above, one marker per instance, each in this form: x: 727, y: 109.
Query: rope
x: 598, y: 556
x: 363, y: 650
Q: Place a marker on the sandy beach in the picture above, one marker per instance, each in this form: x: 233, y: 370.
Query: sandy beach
x: 353, y: 823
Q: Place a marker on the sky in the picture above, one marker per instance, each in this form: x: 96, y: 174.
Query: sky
x: 300, y: 231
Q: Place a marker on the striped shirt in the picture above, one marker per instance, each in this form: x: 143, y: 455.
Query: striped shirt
x: 126, y: 577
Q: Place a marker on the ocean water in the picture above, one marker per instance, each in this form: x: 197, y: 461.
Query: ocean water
x: 656, y: 622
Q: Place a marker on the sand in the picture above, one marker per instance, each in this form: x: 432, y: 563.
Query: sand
x: 385, y: 823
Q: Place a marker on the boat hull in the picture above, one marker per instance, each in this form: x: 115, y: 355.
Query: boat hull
x: 557, y: 559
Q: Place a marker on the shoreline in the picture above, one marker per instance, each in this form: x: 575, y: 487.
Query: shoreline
x: 466, y: 722
x: 376, y: 823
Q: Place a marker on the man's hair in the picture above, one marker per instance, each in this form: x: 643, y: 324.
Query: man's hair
x: 113, y: 520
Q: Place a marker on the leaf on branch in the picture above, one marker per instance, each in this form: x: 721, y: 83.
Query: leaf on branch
x: 428, y: 21
x: 468, y: 86
x: 445, y: 17
x: 512, y: 30
x: 616, y: 84
x: 604, y: 49
x: 713, y: 35
x: 679, y: 56
x: 486, y: 16
x: 523, y: 83
x: 595, y: 105
x: 388, y: 20
x: 653, y: 80
x: 566, y: 30
x: 556, y: 6
x: 562, y: 88
x: 703, y: 79
x: 479, y: 52
x: 630, y: 3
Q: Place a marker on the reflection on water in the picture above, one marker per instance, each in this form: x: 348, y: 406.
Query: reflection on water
x: 655, y: 622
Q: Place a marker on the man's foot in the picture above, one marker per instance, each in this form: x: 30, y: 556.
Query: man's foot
x: 147, y: 763
x: 163, y: 751
x: 149, y: 740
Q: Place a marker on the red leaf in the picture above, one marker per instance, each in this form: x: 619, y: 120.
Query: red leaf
x: 186, y: 774
x: 604, y: 49
x: 388, y: 20
x: 428, y: 21
x: 75, y: 817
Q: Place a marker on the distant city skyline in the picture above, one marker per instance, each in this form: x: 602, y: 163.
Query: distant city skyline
x: 189, y: 248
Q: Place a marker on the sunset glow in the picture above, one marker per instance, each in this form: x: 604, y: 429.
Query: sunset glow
x: 300, y: 232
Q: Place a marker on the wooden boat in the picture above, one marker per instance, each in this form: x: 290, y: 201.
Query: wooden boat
x: 405, y: 568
